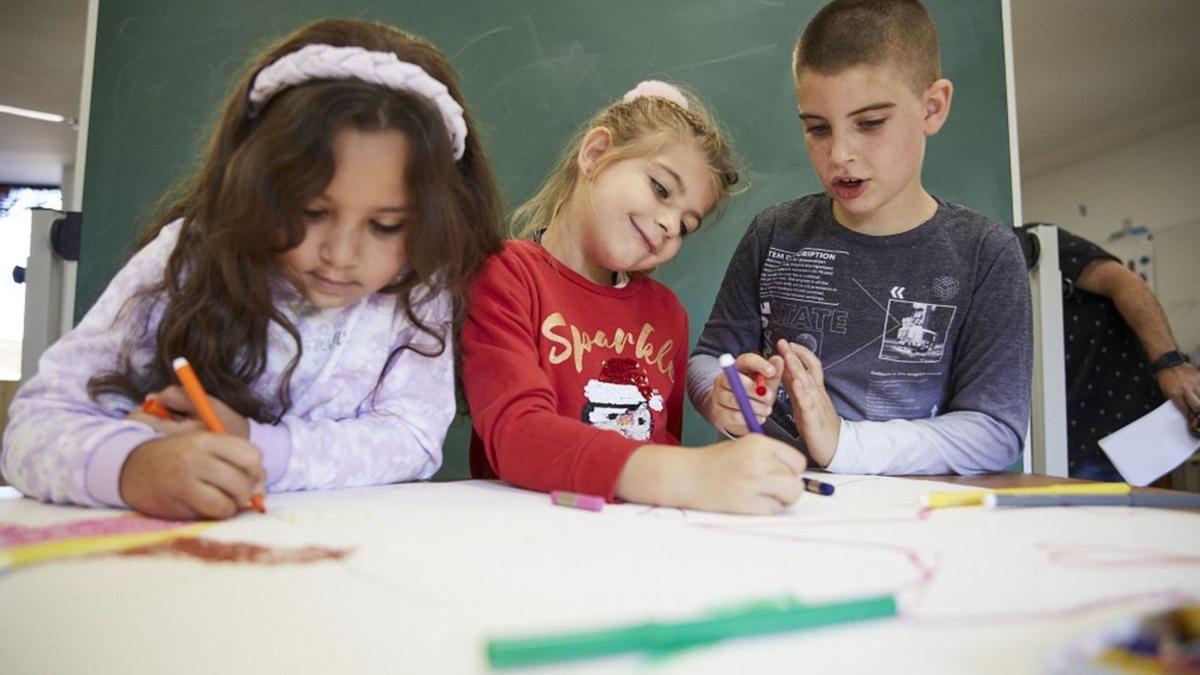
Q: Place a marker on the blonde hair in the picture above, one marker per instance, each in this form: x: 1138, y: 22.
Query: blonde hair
x: 637, y: 127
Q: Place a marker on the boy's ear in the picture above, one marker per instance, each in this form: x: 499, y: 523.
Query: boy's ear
x: 595, y: 143
x: 937, y: 105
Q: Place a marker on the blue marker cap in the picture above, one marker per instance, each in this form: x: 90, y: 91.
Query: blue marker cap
x: 818, y: 486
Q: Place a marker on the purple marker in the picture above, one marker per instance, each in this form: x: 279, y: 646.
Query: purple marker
x: 589, y: 502
x: 739, y: 392
x: 819, y: 487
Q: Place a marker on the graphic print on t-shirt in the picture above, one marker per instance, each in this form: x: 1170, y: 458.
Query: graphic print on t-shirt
x: 884, y: 338
x: 915, y: 332
x: 797, y: 318
x: 621, y: 399
x: 804, y: 287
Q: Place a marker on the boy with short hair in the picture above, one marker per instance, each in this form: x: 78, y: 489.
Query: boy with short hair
x: 898, y: 324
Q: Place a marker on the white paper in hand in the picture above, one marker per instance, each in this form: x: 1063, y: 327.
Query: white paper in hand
x: 1151, y: 446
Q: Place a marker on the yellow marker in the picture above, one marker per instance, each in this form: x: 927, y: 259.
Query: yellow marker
x: 29, y: 554
x: 942, y: 500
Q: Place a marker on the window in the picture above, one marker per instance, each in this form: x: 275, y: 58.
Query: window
x: 15, y: 205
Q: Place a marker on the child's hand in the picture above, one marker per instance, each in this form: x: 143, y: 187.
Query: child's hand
x: 754, y: 474
x: 189, y: 476
x: 723, y: 410
x: 176, y: 399
x: 173, y: 424
x: 816, y: 419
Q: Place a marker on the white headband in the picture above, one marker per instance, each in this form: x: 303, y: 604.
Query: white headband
x: 325, y: 62
x: 657, y: 88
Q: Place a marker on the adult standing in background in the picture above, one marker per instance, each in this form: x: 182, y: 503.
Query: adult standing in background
x: 1122, y: 360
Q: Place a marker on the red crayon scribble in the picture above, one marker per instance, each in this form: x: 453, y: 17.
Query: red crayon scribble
x: 208, y: 550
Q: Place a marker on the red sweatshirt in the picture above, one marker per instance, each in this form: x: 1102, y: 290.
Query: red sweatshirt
x: 566, y: 378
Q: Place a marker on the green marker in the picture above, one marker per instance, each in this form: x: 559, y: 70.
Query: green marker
x: 762, y: 618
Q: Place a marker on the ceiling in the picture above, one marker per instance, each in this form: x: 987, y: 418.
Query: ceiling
x: 1095, y: 74
x: 41, y: 65
x: 1090, y: 75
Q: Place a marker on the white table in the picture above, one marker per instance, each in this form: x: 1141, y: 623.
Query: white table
x: 431, y: 571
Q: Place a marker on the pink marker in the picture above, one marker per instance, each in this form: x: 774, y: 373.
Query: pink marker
x: 589, y: 502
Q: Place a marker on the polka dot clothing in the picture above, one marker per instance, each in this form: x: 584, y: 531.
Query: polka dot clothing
x: 1108, y: 376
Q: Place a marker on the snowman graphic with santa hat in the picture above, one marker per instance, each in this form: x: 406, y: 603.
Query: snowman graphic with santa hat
x: 621, y: 399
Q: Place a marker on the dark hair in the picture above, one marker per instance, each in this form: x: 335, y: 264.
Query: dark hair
x: 244, y: 207
x: 847, y: 33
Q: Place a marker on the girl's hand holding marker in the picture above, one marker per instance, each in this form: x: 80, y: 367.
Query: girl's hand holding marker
x: 209, y: 479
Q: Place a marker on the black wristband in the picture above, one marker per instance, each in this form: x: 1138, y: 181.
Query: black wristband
x: 1169, y: 360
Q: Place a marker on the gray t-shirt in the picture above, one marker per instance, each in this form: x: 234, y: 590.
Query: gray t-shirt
x: 924, y: 336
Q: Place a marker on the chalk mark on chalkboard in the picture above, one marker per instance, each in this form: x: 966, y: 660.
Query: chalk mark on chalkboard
x: 478, y: 38
x: 125, y: 68
x: 729, y: 57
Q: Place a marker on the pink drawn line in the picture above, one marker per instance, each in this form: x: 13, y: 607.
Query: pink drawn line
x: 921, y: 515
x: 12, y: 534
x: 1098, y: 555
x: 926, y: 571
x: 651, y: 509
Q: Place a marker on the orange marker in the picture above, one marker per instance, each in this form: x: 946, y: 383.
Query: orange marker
x: 155, y: 407
x: 197, y: 395
x: 760, y: 384
x: 199, y: 398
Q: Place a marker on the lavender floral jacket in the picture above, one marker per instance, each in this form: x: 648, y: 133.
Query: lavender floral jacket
x: 62, y: 446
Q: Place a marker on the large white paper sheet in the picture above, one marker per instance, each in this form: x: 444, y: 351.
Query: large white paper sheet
x: 434, y: 570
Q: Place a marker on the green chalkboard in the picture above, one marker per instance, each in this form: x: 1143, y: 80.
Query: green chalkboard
x: 532, y: 71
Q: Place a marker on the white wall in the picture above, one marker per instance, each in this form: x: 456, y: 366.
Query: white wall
x: 1154, y: 182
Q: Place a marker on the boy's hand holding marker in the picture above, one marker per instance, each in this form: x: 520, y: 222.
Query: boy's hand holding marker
x: 752, y: 368
x: 799, y: 371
